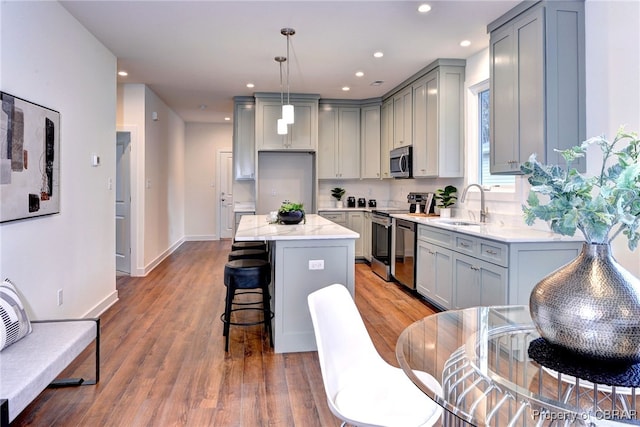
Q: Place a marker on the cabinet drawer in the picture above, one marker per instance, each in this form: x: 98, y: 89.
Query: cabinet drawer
x: 435, y: 235
x: 493, y: 252
x: 337, y: 217
x: 465, y: 244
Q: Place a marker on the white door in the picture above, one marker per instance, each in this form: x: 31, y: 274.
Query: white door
x: 225, y: 188
x: 123, y: 202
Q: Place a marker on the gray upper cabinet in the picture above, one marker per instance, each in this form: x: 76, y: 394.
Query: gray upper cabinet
x: 402, y: 104
x: 244, y: 166
x: 537, y: 83
x: 386, y: 137
x: 338, y: 141
x: 302, y: 135
x: 438, y: 112
x: 370, y: 141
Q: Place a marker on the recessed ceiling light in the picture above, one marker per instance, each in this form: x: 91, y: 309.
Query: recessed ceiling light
x: 377, y: 82
x: 227, y: 119
x: 346, y: 88
x: 465, y: 43
x: 250, y: 85
x: 424, y: 8
x: 378, y: 54
x: 359, y: 74
x: 123, y: 73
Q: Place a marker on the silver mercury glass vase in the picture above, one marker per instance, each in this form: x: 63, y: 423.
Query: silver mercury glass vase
x: 590, y: 306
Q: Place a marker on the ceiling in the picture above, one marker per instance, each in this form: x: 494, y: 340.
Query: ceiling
x: 197, y: 55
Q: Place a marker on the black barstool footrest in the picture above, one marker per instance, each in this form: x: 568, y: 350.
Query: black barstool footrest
x: 257, y: 322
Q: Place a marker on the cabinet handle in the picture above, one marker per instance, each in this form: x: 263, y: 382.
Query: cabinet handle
x: 464, y: 245
x: 473, y: 267
x: 490, y: 252
x: 431, y: 252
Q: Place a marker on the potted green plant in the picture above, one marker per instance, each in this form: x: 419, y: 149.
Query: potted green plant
x: 291, y: 213
x: 337, y: 194
x: 446, y: 197
x: 591, y: 305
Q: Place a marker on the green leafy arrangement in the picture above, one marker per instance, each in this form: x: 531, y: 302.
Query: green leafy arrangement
x: 337, y: 193
x: 290, y: 207
x: 446, y: 196
x: 594, y: 205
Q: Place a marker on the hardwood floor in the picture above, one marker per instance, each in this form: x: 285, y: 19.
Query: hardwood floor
x: 164, y: 364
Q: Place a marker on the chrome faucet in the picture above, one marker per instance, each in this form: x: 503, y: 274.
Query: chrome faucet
x: 483, y: 210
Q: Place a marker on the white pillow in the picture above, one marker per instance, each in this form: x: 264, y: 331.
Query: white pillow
x: 15, y: 323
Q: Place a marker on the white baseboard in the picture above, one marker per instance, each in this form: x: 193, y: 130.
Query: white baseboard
x: 201, y: 238
x: 103, y: 305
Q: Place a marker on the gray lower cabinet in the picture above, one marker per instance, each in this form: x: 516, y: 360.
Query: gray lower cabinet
x: 434, y: 273
x: 365, y: 236
x: 353, y: 220
x: 537, y: 68
x: 459, y: 270
x: 478, y: 283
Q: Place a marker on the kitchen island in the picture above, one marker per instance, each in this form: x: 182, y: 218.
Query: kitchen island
x: 305, y: 257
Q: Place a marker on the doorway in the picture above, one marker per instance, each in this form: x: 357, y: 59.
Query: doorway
x: 225, y: 190
x: 123, y: 202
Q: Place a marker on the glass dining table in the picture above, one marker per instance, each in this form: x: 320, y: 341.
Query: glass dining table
x: 480, y: 356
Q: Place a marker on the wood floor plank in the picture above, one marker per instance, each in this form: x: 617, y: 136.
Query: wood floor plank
x: 164, y: 364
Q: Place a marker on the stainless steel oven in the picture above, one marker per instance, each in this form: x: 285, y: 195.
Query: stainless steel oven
x: 381, y: 242
x: 404, y: 268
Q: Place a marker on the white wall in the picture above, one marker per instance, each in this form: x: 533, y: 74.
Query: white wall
x: 157, y: 175
x: 203, y: 142
x: 613, y: 84
x: 48, y: 58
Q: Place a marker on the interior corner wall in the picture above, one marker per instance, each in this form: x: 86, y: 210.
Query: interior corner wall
x: 157, y: 174
x: 48, y: 58
x: 613, y: 86
x: 203, y: 141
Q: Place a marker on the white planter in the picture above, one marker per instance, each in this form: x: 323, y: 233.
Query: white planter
x: 445, y: 212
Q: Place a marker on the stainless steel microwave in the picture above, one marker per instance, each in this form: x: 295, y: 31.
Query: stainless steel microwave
x: 400, y: 162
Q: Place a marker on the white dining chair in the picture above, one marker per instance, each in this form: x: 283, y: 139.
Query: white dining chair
x: 362, y: 388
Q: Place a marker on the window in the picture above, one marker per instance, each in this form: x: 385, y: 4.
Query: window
x: 485, y: 178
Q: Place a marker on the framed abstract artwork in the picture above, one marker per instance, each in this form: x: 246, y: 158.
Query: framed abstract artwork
x: 29, y: 159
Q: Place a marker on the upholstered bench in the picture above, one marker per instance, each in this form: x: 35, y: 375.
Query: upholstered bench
x: 32, y: 364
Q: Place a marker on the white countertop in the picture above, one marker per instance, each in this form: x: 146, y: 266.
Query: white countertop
x: 244, y: 207
x: 345, y: 209
x: 500, y: 232
x: 256, y: 227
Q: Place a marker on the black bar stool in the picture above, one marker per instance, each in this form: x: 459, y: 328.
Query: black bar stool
x: 244, y: 274
x: 248, y: 254
x: 248, y: 245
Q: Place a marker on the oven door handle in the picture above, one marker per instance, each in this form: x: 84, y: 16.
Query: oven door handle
x: 384, y: 224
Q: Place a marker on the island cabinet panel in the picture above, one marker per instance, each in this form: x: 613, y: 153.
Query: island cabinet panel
x: 294, y: 281
x: 460, y: 270
x: 438, y: 112
x: 302, y: 135
x: 244, y: 148
x: 537, y: 75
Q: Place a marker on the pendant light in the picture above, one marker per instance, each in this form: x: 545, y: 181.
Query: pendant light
x: 287, y: 109
x: 282, y: 125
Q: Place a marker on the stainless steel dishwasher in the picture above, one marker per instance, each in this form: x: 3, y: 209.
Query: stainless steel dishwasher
x: 404, y: 266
